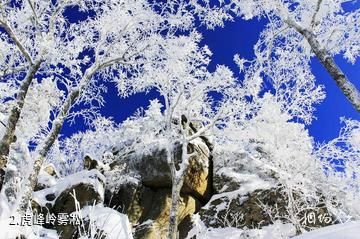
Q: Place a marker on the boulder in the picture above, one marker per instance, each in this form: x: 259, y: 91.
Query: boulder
x: 247, y: 195
x: 50, y: 169
x: 147, y: 200
x: 232, y: 209
x: 241, y: 211
x: 86, y: 186
x: 154, y: 223
x: 154, y: 171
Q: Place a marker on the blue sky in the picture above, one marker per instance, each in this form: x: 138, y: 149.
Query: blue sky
x: 239, y: 37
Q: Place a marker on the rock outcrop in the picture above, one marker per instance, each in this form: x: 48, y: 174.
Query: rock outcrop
x: 147, y: 200
x: 248, y: 196
x: 83, y: 188
x: 221, y: 192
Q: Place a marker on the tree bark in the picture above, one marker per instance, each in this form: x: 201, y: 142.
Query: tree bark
x: 349, y: 89
x: 15, y: 112
x: 173, y: 218
x: 45, y: 147
x: 178, y: 181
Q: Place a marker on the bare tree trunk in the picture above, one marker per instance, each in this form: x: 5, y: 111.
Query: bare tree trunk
x: 349, y: 89
x: 177, y: 183
x: 293, y: 211
x: 15, y: 112
x: 52, y: 136
x: 45, y: 147
x: 13, y: 174
x: 173, y: 220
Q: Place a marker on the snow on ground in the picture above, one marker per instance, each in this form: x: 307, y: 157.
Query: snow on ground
x: 11, y: 231
x: 278, y: 230
x: 102, y: 219
x: 113, y: 224
x: 350, y: 230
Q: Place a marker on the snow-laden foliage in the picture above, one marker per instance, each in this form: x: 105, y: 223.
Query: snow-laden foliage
x: 140, y: 133
x: 341, y: 159
x: 115, y: 41
x: 295, y: 30
x: 336, y: 31
x: 284, y: 155
x: 43, y: 99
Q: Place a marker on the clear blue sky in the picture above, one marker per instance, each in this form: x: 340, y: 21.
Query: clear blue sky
x: 239, y: 37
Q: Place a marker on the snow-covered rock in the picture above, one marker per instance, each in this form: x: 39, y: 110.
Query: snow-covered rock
x: 68, y: 195
x: 46, y: 178
x: 154, y: 171
x: 146, y: 196
x: 277, y: 230
x: 246, y: 196
x: 10, y: 231
x: 84, y: 183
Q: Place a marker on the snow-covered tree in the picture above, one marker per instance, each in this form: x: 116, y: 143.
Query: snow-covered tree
x: 41, y: 42
x: 341, y: 160
x: 54, y: 68
x: 186, y: 89
x: 296, y: 31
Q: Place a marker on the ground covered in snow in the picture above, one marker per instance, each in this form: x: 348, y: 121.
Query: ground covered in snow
x: 350, y: 230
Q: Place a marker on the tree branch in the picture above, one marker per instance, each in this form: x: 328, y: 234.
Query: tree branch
x: 15, y: 112
x: 349, y: 90
x: 12, y: 35
x: 201, y: 131
x: 34, y: 12
x: 315, y: 13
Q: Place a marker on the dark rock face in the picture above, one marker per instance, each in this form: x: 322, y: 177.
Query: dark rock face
x: 247, y: 211
x: 90, y: 163
x: 59, y: 199
x: 85, y: 194
x: 241, y: 211
x: 147, y: 202
x: 247, y: 196
x: 50, y: 197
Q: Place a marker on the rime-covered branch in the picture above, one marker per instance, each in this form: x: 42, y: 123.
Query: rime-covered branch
x: 349, y: 89
x: 15, y: 112
x: 17, y: 41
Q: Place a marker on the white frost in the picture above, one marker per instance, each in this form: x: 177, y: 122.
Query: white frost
x: 91, y: 177
x: 113, y: 224
x: 350, y: 230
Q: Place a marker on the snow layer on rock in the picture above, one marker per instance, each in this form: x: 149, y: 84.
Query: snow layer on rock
x: 46, y: 179
x: 91, y: 177
x: 350, y: 230
x: 113, y: 224
x: 242, y: 169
